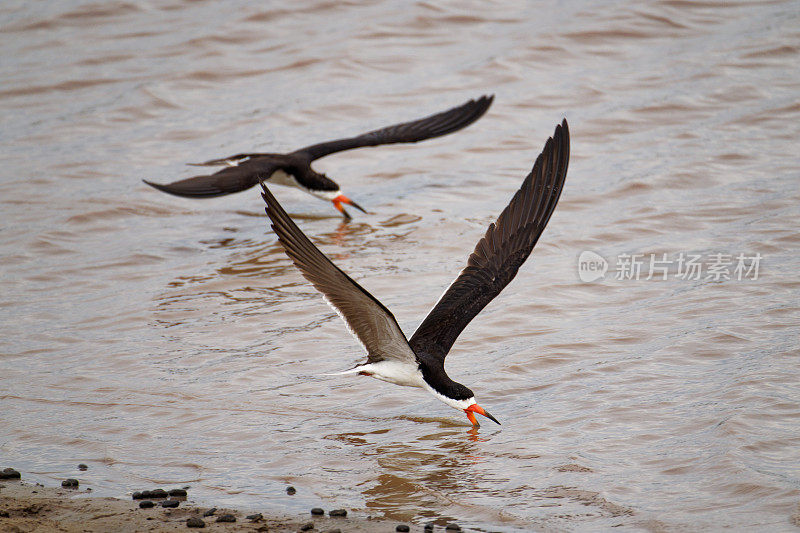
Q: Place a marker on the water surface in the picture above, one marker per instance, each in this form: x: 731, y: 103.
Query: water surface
x: 165, y: 341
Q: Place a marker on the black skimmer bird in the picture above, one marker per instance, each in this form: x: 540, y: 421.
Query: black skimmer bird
x: 419, y: 362
x: 294, y: 169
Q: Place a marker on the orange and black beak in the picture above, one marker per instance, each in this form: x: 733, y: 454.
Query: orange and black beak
x: 475, y: 408
x: 342, y: 199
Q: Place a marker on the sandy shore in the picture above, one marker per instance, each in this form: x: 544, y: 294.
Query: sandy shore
x: 27, y: 508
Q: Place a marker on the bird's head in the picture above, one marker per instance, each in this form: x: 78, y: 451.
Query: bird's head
x: 468, y: 404
x: 452, y: 392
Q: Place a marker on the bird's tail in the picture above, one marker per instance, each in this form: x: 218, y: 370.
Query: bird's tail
x: 355, y: 370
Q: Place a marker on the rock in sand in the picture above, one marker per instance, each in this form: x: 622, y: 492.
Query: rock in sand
x: 10, y: 473
x: 195, y: 522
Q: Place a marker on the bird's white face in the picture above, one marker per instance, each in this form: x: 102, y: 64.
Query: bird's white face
x: 469, y: 406
x: 326, y: 195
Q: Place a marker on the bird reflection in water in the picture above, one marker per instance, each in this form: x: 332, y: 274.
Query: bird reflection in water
x: 417, y: 473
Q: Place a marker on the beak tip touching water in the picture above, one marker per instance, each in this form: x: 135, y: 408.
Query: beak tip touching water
x: 475, y: 408
x: 490, y: 417
x: 342, y: 199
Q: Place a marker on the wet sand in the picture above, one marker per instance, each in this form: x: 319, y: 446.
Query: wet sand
x: 28, y: 507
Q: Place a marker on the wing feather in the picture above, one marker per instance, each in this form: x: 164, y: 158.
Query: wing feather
x: 499, y: 254
x: 408, y: 132
x: 226, y: 181
x: 374, y: 325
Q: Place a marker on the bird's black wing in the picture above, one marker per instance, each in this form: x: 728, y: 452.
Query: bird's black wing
x: 367, y: 318
x: 500, y: 253
x: 408, y: 132
x: 226, y: 181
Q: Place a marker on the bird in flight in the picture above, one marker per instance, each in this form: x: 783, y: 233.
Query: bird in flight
x: 419, y: 362
x: 242, y: 171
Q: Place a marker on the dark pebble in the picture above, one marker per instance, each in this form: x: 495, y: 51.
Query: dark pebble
x: 453, y: 527
x: 137, y: 495
x: 170, y: 503
x: 210, y: 512
x: 226, y: 518
x: 83, y: 467
x: 145, y: 494
x: 307, y: 527
x: 338, y: 512
x: 255, y: 517
x: 290, y: 490
x: 195, y: 522
x: 317, y: 511
x: 70, y: 483
x: 177, y: 492
x: 10, y: 473
x: 402, y: 527
x: 429, y: 526
x: 146, y: 504
x: 4, y: 514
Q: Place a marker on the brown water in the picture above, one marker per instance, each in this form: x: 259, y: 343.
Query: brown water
x: 165, y: 341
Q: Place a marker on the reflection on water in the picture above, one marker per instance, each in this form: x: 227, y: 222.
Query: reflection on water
x: 168, y: 341
x: 405, y: 491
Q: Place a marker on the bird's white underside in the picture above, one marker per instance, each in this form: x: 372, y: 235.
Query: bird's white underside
x: 281, y: 177
x: 395, y: 372
x: 405, y: 375
x: 400, y: 371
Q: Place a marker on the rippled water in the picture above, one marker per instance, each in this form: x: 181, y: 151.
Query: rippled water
x: 169, y: 341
